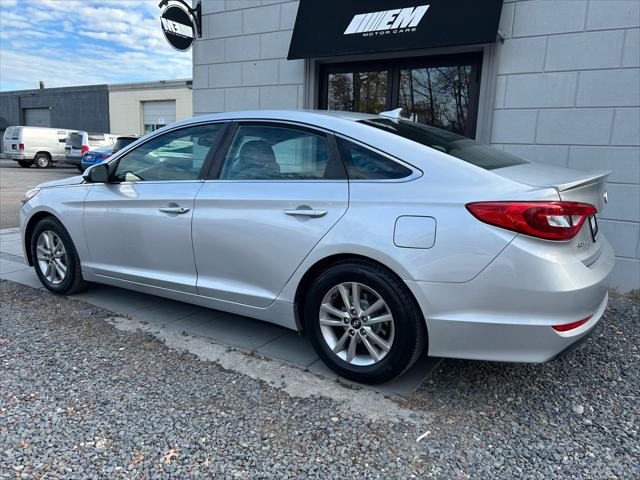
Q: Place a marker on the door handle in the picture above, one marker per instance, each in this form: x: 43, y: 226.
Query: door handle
x: 305, y: 212
x: 176, y: 210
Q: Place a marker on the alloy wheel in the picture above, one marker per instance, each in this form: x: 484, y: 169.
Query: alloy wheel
x: 356, y: 323
x: 52, y: 257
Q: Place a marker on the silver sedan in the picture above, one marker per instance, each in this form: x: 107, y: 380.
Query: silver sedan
x: 379, y: 238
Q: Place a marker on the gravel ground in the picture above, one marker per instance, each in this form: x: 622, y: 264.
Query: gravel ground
x: 82, y: 399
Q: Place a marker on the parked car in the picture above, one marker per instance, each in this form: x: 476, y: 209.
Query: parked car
x: 80, y: 142
x: 98, y: 155
x: 380, y: 238
x: 92, y: 157
x: 35, y: 145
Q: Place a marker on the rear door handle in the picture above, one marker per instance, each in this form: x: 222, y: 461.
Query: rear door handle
x: 176, y: 210
x: 305, y: 212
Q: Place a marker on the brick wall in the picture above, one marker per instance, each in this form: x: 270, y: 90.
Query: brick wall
x: 568, y: 93
x: 241, y: 62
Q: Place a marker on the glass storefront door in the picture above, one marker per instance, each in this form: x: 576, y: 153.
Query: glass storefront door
x: 439, y: 91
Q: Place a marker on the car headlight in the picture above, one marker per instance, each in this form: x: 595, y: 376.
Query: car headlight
x: 29, y: 194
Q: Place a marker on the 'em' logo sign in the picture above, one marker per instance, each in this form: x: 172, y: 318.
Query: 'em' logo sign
x: 177, y: 27
x: 399, y: 20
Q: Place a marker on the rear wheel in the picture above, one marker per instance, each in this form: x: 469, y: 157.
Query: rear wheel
x: 25, y: 163
x: 55, y: 259
x: 42, y: 160
x: 363, y: 322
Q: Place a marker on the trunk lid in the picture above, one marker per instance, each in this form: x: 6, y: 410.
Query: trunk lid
x: 572, y: 186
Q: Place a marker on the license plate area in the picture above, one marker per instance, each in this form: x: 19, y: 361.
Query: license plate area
x: 593, y: 226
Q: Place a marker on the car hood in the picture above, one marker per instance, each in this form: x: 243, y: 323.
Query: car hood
x: 76, y: 180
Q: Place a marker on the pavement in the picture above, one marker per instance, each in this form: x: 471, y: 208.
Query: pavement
x: 15, y: 180
x: 253, y: 336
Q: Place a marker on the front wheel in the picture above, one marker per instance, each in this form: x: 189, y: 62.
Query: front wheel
x: 55, y: 259
x: 42, y: 160
x: 363, y: 322
x: 25, y: 163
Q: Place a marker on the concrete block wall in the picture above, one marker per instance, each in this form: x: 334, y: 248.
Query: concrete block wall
x: 240, y: 62
x: 568, y: 93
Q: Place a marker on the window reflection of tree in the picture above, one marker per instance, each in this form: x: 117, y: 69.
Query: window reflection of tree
x: 358, y: 91
x: 437, y: 96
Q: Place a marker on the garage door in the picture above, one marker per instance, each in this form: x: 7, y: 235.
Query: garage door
x: 157, y: 114
x: 37, y: 117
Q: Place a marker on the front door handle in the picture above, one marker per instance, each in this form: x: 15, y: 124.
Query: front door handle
x: 176, y: 210
x: 305, y: 212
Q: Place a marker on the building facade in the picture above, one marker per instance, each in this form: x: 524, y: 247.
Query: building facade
x: 138, y: 108
x: 557, y: 82
x: 123, y: 109
x: 81, y: 108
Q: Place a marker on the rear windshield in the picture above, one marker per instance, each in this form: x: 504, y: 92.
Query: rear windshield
x: 7, y: 133
x: 123, y: 142
x: 75, y: 140
x: 96, y: 137
x: 15, y: 133
x: 455, y: 145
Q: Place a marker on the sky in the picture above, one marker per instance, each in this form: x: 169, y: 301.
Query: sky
x: 85, y: 42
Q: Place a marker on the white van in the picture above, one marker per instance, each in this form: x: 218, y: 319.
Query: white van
x: 29, y: 145
x: 81, y: 142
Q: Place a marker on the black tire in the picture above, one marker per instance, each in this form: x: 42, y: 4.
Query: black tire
x: 73, y: 281
x: 410, y: 330
x: 25, y: 163
x: 42, y: 160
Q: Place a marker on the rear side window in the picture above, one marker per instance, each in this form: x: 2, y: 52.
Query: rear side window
x: 274, y: 152
x: 365, y: 164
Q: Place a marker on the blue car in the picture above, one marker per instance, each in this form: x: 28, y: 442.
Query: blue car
x: 99, y: 155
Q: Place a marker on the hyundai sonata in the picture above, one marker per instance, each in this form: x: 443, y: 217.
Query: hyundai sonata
x: 380, y: 238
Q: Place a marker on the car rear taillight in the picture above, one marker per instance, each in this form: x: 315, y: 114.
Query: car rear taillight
x: 85, y: 148
x: 571, y: 326
x: 21, y: 146
x: 548, y: 220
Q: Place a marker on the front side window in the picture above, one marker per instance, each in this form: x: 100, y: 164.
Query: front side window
x: 365, y: 164
x: 266, y: 152
x: 176, y: 155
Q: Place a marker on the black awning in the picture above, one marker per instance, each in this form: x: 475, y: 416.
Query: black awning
x: 342, y: 27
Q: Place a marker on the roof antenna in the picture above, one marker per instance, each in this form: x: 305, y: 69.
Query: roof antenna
x: 395, y: 114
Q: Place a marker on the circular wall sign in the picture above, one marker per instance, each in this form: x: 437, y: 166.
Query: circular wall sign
x: 177, y: 27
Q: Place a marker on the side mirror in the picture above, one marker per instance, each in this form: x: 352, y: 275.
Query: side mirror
x: 97, y: 173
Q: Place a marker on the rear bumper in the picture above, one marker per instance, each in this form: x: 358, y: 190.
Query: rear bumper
x: 15, y: 156
x: 507, y: 312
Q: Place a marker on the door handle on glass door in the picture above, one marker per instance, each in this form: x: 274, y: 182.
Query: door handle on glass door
x: 305, y: 212
x: 177, y: 210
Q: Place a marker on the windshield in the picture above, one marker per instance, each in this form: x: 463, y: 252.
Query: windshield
x: 455, y: 145
x: 123, y: 142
